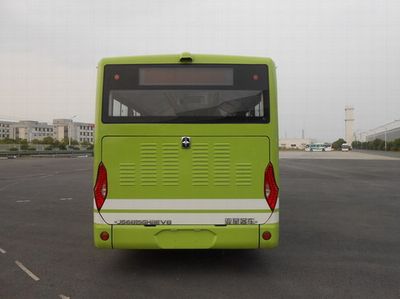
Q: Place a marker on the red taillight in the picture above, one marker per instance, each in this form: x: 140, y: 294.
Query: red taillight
x: 100, y: 188
x: 104, y: 236
x: 271, y: 189
x: 266, y: 235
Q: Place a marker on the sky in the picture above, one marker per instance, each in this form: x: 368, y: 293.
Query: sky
x: 328, y: 53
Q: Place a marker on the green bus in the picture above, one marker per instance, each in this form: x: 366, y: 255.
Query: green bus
x: 186, y: 153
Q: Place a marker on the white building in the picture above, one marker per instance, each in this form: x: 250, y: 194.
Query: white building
x: 294, y: 143
x: 66, y: 128
x: 30, y: 130
x: 60, y: 129
x: 85, y: 132
x: 388, y: 132
x: 5, y: 129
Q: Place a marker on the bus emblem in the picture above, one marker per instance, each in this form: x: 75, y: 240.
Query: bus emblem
x: 185, y: 142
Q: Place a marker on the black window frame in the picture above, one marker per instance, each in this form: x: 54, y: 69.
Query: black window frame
x: 129, y: 79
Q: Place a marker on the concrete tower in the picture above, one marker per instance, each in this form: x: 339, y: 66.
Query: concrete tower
x: 348, y: 122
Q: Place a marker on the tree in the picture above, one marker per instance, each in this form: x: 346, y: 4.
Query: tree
x: 85, y: 143
x: 24, y: 146
x: 337, y: 145
x: 396, y: 145
x: 378, y: 144
x: 48, y: 140
x: 356, y: 144
x: 7, y: 141
x: 389, y: 145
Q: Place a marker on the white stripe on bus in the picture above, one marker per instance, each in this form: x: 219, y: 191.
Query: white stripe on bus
x: 97, y: 219
x: 185, y: 204
x: 186, y: 218
x: 274, y: 218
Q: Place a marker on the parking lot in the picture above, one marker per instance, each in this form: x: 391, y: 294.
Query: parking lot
x: 340, y: 237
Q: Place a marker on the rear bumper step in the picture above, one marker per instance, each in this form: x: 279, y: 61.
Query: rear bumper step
x: 187, y: 236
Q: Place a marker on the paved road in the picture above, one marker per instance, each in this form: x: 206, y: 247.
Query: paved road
x: 352, y: 155
x: 340, y: 230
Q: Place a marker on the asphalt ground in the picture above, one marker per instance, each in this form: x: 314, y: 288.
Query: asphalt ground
x: 340, y: 238
x: 339, y: 155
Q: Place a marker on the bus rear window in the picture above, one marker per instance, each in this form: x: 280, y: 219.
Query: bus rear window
x: 195, y: 94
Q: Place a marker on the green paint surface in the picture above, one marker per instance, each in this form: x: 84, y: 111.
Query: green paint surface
x: 188, y: 236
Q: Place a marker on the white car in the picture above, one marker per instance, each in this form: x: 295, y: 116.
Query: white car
x: 315, y: 147
x: 346, y: 147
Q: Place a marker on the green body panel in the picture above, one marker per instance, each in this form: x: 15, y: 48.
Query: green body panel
x: 118, y: 146
x: 273, y: 228
x: 97, y: 230
x: 188, y: 237
x: 158, y: 167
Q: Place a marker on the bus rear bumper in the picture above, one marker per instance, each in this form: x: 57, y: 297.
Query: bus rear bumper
x: 187, y: 236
